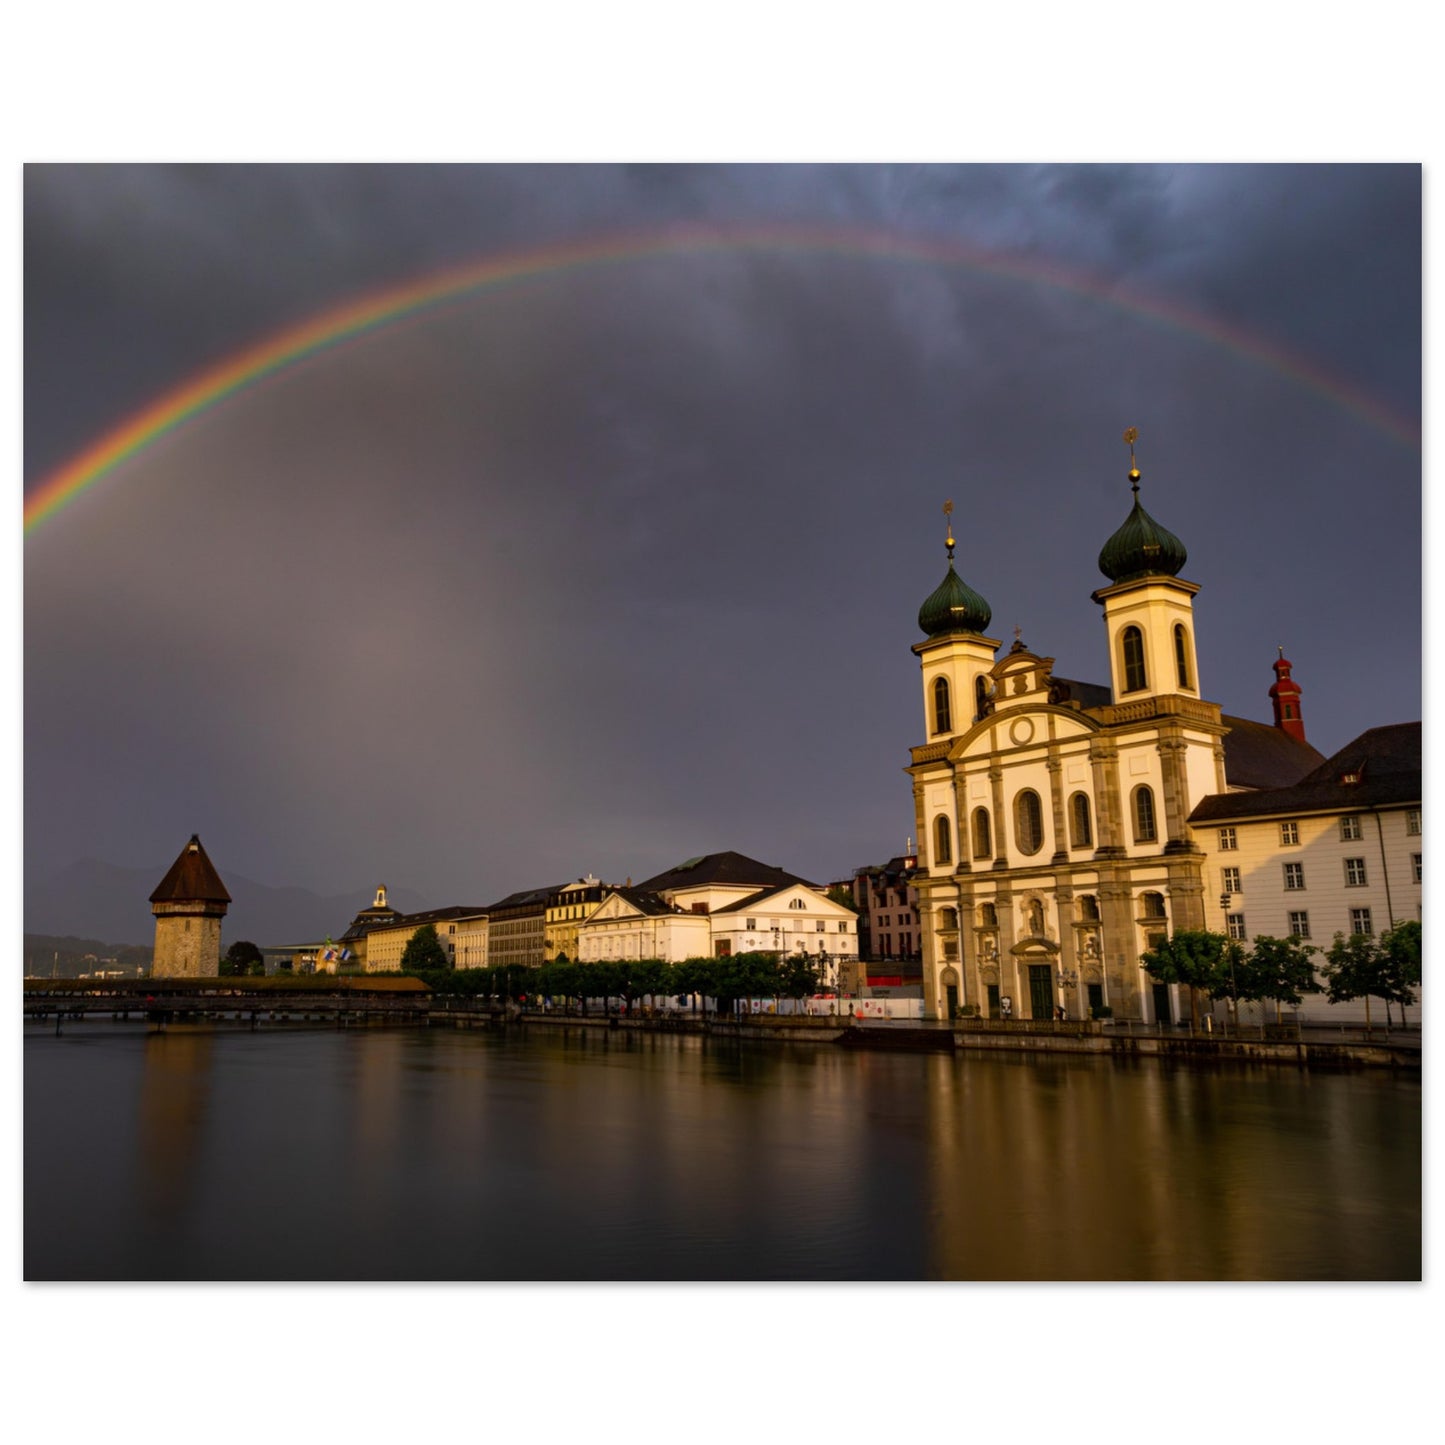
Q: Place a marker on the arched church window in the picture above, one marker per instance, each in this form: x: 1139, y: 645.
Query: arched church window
x: 1080, y: 825
x: 948, y: 917
x: 942, y: 844
x: 942, y: 715
x: 1029, y: 821
x: 1153, y: 905
x: 1132, y: 642
x: 982, y: 839
x: 980, y: 697
x: 1144, y: 826
x: 1089, y: 908
x: 1181, y: 654
x: 987, y: 915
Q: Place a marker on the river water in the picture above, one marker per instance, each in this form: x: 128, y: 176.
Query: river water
x: 427, y: 1154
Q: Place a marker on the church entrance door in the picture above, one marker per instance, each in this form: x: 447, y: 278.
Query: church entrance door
x: 1041, y: 991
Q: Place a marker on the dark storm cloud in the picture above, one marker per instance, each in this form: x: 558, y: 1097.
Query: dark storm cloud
x: 621, y: 564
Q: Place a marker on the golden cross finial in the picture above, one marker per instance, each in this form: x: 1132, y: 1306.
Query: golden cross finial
x: 1018, y: 634
x: 948, y: 512
x: 1131, y: 435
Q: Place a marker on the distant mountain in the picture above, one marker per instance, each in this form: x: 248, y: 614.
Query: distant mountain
x: 91, y: 899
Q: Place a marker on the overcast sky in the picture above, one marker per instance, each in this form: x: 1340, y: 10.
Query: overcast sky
x: 622, y: 563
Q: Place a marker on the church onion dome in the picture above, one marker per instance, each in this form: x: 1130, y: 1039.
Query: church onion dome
x: 953, y: 606
x: 1141, y: 547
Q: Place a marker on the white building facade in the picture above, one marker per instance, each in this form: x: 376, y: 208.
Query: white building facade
x: 1054, y: 817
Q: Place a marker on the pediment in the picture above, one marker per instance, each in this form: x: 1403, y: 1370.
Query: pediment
x: 1035, y: 945
x: 1026, y: 726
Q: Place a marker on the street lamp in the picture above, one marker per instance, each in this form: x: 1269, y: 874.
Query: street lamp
x: 1233, y: 987
x: 1068, y: 981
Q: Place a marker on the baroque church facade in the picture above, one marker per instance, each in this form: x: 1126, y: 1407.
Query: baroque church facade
x: 1053, y: 816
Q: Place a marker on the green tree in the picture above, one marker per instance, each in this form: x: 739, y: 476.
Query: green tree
x: 797, y: 976
x: 423, y: 951
x: 1400, y: 956
x: 1196, y: 958
x: 1354, y: 968
x: 242, y: 958
x: 1278, y: 969
x: 839, y: 894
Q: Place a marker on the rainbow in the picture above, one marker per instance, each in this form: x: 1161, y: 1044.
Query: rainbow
x: 379, y: 309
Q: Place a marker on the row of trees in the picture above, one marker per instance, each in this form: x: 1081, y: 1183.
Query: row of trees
x: 1281, y: 970
x: 741, y: 976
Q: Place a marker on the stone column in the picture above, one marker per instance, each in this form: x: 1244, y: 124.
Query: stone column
x: 1176, y: 793
x: 1000, y: 851
x: 1056, y: 796
x: 1108, y: 819
x: 1120, y: 943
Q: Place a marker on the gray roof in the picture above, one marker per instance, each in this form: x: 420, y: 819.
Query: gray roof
x: 724, y: 869
x: 1386, y: 762
x: 1260, y: 755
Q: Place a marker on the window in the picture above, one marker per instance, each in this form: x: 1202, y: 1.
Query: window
x: 1228, y: 840
x: 797, y: 903
x: 1089, y: 908
x: 1236, y: 927
x: 822, y: 927
x: 1350, y: 827
x: 1229, y: 880
x: 1289, y: 835
x: 982, y: 834
x: 942, y: 715
x: 980, y: 697
x: 1132, y: 642
x: 1080, y: 824
x: 1294, y: 875
x: 1415, y: 865
x: 1412, y: 822
x: 1153, y: 905
x: 1181, y: 653
x: 752, y: 925
x: 1299, y: 925
x: 1144, y: 830
x: 987, y: 915
x: 842, y: 925
x: 1360, y: 921
x: 948, y: 918
x: 1354, y: 872
x: 942, y: 844
x: 1029, y: 821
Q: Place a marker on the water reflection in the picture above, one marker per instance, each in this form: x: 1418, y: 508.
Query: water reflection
x: 428, y: 1154
x: 1066, y: 1171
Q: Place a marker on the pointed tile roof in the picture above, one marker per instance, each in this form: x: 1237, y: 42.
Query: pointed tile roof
x: 722, y: 869
x: 192, y: 878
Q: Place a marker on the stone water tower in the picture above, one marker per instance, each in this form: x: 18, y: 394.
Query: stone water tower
x: 189, y: 903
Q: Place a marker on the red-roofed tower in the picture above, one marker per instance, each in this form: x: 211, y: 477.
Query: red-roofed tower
x: 1285, y: 697
x: 189, y: 903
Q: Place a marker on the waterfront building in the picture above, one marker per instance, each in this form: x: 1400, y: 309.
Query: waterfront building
x: 188, y: 904
x: 353, y: 941
x: 564, y: 914
x: 1054, y: 817
x: 386, y: 942
x: 517, y: 928
x: 1338, y: 852
x: 634, y: 923
x: 720, y: 904
x: 887, y: 903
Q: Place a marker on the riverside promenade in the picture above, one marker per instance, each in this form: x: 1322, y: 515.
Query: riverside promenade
x: 381, y: 1000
